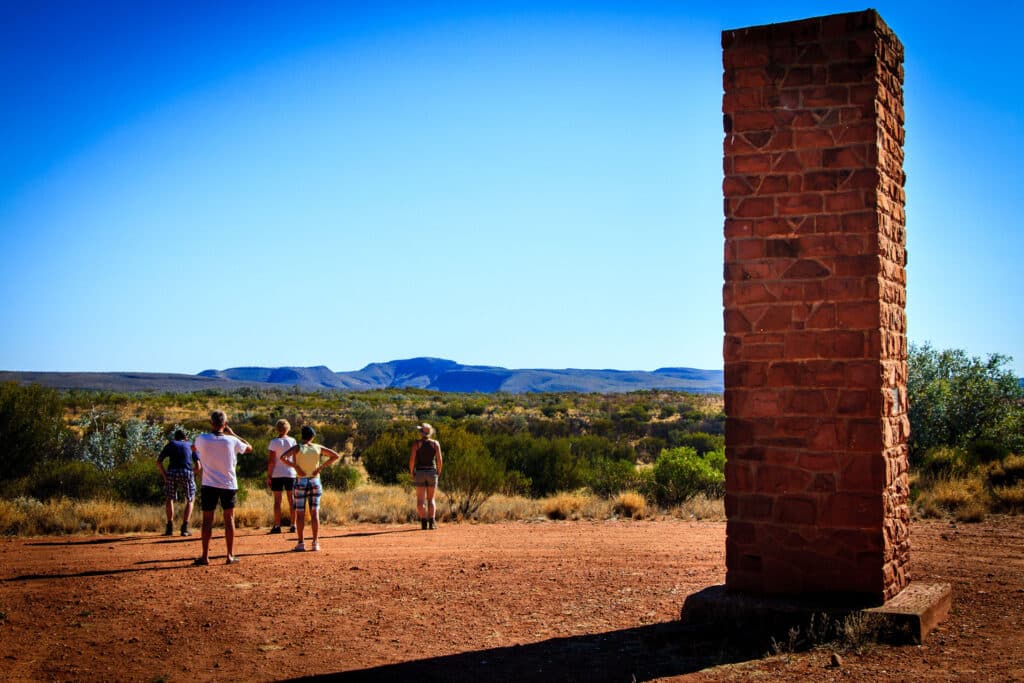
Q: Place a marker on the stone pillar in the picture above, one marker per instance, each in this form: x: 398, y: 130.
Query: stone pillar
x: 815, y: 292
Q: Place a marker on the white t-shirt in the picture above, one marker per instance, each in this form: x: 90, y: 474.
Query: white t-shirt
x: 219, y: 455
x: 278, y: 446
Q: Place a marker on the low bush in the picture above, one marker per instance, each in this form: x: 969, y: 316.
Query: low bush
x: 945, y: 462
x: 341, y: 477
x: 566, y: 505
x: 137, y: 481
x: 630, y: 504
x: 68, y: 479
x: 680, y: 474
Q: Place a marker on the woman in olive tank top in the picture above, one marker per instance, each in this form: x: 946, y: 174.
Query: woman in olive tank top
x: 425, y: 465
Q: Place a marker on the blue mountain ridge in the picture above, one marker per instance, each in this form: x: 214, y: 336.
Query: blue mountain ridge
x: 440, y: 374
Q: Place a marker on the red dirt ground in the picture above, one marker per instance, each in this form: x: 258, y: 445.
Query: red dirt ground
x: 515, y: 601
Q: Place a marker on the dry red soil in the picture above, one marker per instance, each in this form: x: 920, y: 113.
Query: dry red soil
x: 517, y: 601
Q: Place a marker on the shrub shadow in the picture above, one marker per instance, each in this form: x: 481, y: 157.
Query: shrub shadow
x: 635, y: 654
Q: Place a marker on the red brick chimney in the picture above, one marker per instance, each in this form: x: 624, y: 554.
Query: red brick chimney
x: 815, y: 293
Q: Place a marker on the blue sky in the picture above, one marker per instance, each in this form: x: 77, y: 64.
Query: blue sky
x: 206, y: 185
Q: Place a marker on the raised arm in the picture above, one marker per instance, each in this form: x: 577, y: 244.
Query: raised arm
x: 230, y: 432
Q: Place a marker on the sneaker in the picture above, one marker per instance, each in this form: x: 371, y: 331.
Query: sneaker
x: 169, y: 529
x: 300, y: 547
x: 291, y: 529
x: 275, y: 529
x: 316, y: 546
x: 185, y: 531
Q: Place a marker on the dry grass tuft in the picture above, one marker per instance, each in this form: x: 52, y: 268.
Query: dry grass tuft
x: 381, y: 504
x: 576, y: 505
x: 1010, y: 498
x: 950, y: 495
x: 701, y: 507
x: 630, y: 504
x: 501, y: 508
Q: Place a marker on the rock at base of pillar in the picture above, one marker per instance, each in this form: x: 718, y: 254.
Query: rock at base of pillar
x: 800, y: 621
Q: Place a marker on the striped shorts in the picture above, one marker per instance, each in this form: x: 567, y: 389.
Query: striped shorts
x: 179, y: 480
x: 307, y: 489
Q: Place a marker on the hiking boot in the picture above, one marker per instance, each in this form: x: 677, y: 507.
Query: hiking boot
x: 185, y: 531
x: 169, y: 529
x: 275, y: 529
x: 300, y: 547
x: 423, y: 524
x: 431, y: 525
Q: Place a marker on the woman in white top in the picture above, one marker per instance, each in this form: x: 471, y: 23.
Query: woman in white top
x: 280, y: 477
x: 308, y: 460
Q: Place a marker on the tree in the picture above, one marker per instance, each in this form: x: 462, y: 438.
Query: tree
x: 470, y: 474
x: 959, y: 400
x: 30, y: 427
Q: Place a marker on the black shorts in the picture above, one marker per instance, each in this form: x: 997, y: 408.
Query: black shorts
x: 210, y: 496
x: 282, y: 483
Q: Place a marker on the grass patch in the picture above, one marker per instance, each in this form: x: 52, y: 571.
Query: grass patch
x: 630, y: 504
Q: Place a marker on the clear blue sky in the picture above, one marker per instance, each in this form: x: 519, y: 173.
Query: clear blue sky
x: 192, y: 185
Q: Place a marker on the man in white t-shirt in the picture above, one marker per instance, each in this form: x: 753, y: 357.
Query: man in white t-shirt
x: 218, y: 452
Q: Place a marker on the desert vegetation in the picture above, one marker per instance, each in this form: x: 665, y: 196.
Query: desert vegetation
x: 84, y: 461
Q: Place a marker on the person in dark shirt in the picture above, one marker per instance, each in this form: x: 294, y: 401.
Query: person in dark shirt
x: 425, y: 464
x: 178, y: 476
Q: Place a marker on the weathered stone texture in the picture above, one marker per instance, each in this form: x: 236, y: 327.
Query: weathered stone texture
x: 815, y: 288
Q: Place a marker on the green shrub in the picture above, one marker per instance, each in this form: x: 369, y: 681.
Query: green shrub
x: 31, y: 423
x: 702, y: 442
x: 470, y: 474
x: 984, y: 451
x: 341, y: 477
x: 681, y: 474
x: 68, y: 479
x: 609, y: 477
x: 388, y: 456
x: 137, y: 481
x: 945, y: 462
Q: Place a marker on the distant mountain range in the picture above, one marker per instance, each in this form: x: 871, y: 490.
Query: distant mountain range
x: 447, y: 375
x: 423, y: 373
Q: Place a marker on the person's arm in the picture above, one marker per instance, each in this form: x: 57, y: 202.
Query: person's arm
x: 270, y: 465
x: 412, y: 459
x: 230, y: 432
x: 332, y: 457
x: 288, y: 458
x: 197, y: 464
x: 440, y: 460
x: 160, y: 463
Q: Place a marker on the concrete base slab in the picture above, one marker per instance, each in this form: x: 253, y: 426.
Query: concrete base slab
x: 905, y: 619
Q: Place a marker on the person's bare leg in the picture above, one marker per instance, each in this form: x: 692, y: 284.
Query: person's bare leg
x: 421, y: 502
x: 277, y: 508
x: 207, y: 533
x: 229, y: 532
x: 187, y: 519
x: 431, y: 507
x: 169, y: 507
x: 314, y: 524
x: 300, y: 523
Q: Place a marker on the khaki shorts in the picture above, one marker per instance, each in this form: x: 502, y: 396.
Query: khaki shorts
x: 425, y: 478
